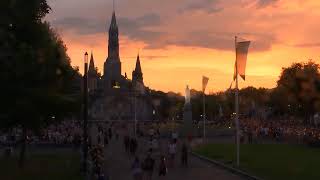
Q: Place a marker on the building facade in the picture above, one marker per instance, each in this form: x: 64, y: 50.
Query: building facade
x: 117, y: 97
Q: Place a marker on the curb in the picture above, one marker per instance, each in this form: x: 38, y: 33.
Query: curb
x: 229, y: 168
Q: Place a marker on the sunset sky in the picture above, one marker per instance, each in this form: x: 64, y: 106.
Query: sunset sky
x: 181, y: 40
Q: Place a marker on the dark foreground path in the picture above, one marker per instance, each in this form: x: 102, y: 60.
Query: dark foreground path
x: 118, y: 165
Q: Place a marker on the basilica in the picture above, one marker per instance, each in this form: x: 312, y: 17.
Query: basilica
x: 113, y: 96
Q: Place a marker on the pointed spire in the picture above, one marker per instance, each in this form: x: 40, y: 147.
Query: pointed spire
x: 138, y: 66
x: 137, y: 75
x: 113, y: 21
x: 91, y: 65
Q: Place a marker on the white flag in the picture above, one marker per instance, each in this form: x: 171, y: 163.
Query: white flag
x: 204, y: 82
x: 241, y: 58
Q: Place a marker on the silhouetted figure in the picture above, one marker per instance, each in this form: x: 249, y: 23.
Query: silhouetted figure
x: 250, y: 135
x: 126, y: 142
x: 106, y: 140
x: 148, y: 166
x: 110, y: 133
x: 117, y: 135
x: 99, y: 139
x: 162, y: 166
x: 136, y: 169
x: 172, y: 153
x: 133, y: 146
x: 184, y: 155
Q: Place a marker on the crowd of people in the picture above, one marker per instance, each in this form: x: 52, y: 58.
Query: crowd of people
x: 66, y: 132
x: 97, y: 144
x: 280, y: 130
x: 155, y: 156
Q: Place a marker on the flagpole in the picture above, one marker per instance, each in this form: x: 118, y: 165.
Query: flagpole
x: 237, y: 110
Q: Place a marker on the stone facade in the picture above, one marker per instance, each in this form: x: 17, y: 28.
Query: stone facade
x: 119, y: 98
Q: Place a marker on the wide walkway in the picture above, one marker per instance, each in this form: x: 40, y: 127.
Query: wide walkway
x: 118, y: 165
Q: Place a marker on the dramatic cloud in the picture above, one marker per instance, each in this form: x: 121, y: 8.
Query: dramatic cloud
x: 136, y: 29
x: 80, y: 25
x: 158, y: 32
x: 223, y: 40
x: 191, y: 33
x: 133, y: 28
x: 208, y: 6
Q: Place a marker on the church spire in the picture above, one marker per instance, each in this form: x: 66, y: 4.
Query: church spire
x: 91, y: 64
x: 112, y: 65
x: 113, y: 44
x: 138, y: 66
x: 137, y: 73
x: 113, y: 25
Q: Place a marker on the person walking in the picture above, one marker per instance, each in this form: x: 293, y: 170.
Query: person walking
x: 184, y: 155
x: 106, y: 140
x: 148, y: 166
x: 133, y: 146
x: 136, y: 169
x: 126, y: 142
x: 99, y: 138
x: 172, y: 153
x: 117, y: 135
x: 110, y: 133
x: 162, y: 166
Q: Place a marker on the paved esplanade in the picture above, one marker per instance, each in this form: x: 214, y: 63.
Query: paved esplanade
x: 118, y: 165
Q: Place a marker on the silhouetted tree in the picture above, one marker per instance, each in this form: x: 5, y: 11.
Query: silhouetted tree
x: 35, y: 70
x: 297, y: 91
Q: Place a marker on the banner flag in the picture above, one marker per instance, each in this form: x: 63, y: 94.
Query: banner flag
x: 204, y: 83
x: 241, y: 58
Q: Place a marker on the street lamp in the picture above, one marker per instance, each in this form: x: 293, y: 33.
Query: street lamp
x: 135, y: 112
x: 85, y: 113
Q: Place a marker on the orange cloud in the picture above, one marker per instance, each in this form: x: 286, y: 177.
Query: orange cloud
x: 178, y: 47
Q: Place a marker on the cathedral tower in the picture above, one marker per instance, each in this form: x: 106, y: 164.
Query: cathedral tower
x: 112, y: 66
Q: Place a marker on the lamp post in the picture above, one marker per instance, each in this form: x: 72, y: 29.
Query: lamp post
x: 85, y: 114
x: 135, y: 113
x: 204, y: 117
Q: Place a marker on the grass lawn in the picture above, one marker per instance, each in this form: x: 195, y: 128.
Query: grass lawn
x: 269, y: 161
x: 43, y: 165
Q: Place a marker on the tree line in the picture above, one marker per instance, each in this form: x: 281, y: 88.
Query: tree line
x: 297, y: 94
